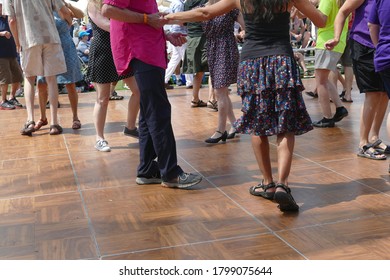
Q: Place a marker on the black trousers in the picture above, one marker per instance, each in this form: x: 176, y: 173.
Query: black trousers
x: 156, y: 139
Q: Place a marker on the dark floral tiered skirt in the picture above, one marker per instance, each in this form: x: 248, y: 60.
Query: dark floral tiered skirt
x: 271, y: 91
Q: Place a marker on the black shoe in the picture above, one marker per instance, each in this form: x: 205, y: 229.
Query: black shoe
x: 223, y: 137
x: 324, y: 123
x: 341, y: 113
x: 131, y: 132
x: 168, y: 86
x: 231, y: 135
x: 149, y: 181
x: 312, y: 94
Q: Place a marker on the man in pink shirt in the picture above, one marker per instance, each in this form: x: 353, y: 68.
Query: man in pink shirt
x: 138, y: 45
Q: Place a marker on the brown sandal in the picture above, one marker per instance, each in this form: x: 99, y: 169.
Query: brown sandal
x: 28, y: 128
x: 76, y: 124
x: 55, y: 129
x: 40, y: 123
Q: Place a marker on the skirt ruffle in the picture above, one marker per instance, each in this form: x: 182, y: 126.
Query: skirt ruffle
x: 271, y: 92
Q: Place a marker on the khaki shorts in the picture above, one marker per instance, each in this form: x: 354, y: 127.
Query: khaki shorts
x: 10, y: 71
x: 43, y: 60
x: 325, y: 59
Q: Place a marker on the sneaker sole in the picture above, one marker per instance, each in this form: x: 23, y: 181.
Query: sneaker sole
x: 180, y: 186
x: 103, y: 150
x: 147, y: 181
x: 130, y: 135
x: 323, y: 126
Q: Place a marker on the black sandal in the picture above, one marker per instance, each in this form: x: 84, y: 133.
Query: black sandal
x: 285, y: 200
x: 263, y: 193
x: 28, y: 128
x: 376, y: 146
x: 115, y: 96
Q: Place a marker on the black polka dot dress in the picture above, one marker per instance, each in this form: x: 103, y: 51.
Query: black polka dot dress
x: 101, y: 67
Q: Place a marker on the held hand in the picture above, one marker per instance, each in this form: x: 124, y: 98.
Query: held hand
x: 176, y: 39
x: 156, y: 20
x: 330, y: 44
x: 6, y: 34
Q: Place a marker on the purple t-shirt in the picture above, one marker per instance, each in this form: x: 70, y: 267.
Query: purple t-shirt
x: 359, y: 31
x: 380, y: 15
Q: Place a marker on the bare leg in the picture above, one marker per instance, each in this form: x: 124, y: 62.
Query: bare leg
x: 285, y: 144
x: 134, y: 103
x: 53, y: 98
x: 323, y: 88
x: 260, y: 147
x: 223, y: 107
x: 4, y: 89
x: 380, y: 111
x: 29, y: 92
x: 332, y: 88
x: 211, y: 92
x: 100, y: 109
x: 112, y: 86
x: 14, y: 88
x: 197, y: 82
x: 42, y: 97
x: 348, y: 73
x: 73, y: 99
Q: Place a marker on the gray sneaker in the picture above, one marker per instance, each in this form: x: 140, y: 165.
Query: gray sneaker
x: 15, y: 102
x: 102, y: 146
x: 184, y: 180
x: 148, y: 181
x: 6, y: 105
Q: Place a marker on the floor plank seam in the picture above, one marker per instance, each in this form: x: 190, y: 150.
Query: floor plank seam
x: 85, y: 207
x: 187, y: 244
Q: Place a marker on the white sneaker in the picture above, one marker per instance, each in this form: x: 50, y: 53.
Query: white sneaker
x: 102, y: 146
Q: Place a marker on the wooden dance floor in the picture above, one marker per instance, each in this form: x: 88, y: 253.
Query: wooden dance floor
x: 62, y: 199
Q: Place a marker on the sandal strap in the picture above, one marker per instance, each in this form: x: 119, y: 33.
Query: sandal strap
x: 366, y: 149
x: 28, y: 123
x: 376, y: 143
x: 264, y: 187
x: 283, y: 186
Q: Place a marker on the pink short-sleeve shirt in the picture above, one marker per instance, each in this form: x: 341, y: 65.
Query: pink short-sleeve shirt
x: 136, y: 40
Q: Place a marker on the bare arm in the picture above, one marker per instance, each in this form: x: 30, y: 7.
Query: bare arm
x: 154, y: 20
x: 240, y: 20
x: 348, y: 7
x: 98, y: 18
x: 306, y: 8
x: 374, y: 33
x: 5, y: 34
x: 66, y: 15
x: 13, y: 25
x: 75, y: 12
x: 205, y: 13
